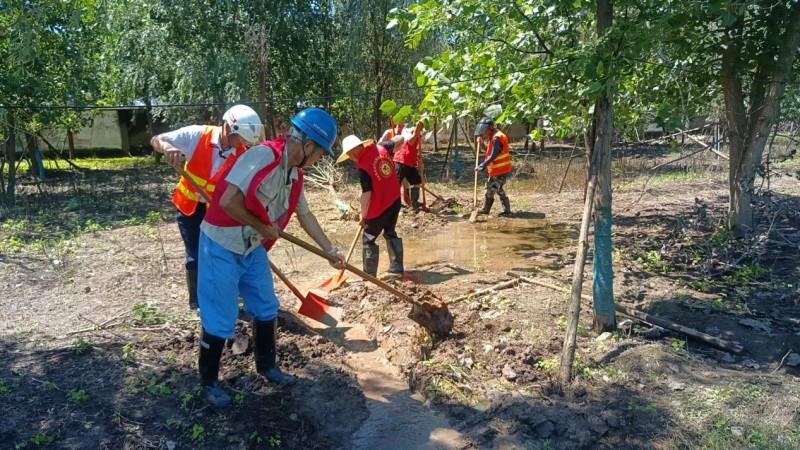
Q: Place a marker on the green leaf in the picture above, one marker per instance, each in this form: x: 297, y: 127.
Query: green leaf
x: 388, y: 107
x: 403, y: 113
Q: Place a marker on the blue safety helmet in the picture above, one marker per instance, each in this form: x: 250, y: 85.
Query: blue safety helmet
x: 318, y: 126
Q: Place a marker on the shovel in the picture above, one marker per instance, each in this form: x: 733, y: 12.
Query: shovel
x: 312, y: 305
x: 432, y: 314
x: 337, y: 280
x: 422, y: 184
x: 474, y: 215
x: 438, y: 199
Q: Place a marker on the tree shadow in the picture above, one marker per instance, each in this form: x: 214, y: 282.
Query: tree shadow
x: 735, y: 289
x: 96, y: 394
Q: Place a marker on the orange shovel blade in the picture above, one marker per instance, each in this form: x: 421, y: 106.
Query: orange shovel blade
x: 313, y: 308
x: 333, y: 282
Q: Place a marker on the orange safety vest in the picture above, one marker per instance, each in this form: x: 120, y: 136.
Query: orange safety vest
x: 501, y: 164
x: 199, y: 166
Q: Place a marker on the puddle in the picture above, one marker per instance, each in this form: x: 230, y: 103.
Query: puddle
x: 497, y: 245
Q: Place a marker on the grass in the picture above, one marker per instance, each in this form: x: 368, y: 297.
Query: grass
x: 111, y: 193
x: 92, y: 163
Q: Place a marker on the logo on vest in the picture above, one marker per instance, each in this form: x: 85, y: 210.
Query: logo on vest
x: 382, y: 168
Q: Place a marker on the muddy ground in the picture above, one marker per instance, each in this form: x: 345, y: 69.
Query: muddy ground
x: 98, y: 348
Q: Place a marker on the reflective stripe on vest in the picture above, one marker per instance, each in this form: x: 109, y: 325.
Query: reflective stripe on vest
x: 501, y: 164
x: 198, y: 168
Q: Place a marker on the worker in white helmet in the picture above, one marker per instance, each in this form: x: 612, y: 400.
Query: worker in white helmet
x: 204, y: 151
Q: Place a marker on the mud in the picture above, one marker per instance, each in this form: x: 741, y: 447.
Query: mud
x: 145, y: 393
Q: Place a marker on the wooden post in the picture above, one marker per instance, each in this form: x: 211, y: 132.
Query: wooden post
x: 568, y: 350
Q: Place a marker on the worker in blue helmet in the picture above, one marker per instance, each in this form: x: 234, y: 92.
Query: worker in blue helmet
x: 254, y: 199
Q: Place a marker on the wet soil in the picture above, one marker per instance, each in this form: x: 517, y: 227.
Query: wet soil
x: 99, y: 349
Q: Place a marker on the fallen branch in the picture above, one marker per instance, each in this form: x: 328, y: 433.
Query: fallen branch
x: 708, y: 147
x: 672, y: 135
x: 781, y: 363
x: 734, y: 347
x: 499, y: 286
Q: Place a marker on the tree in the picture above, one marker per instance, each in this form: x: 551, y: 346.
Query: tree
x: 747, y: 50
x: 51, y: 52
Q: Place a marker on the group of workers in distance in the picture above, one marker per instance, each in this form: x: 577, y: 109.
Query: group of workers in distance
x: 256, y: 186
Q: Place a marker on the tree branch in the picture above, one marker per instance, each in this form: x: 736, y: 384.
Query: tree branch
x: 533, y: 28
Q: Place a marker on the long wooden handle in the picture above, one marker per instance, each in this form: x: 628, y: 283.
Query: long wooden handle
x: 421, y: 165
x: 425, y: 188
x: 477, y: 156
x: 349, y: 267
x: 352, y: 247
x: 286, y: 281
x: 194, y: 184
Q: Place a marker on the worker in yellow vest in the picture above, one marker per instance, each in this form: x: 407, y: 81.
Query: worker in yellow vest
x: 204, y: 151
x: 498, y: 163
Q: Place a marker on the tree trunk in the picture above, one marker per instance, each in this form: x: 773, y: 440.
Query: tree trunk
x: 11, y: 157
x: 603, y: 281
x: 527, y: 135
x: 71, y: 144
x: 149, y: 117
x: 749, y: 130
x: 124, y: 132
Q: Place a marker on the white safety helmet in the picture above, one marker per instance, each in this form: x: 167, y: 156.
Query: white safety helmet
x: 244, y: 121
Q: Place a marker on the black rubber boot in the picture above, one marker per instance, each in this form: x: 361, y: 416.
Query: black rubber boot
x: 506, y: 205
x: 487, y: 205
x: 415, y: 198
x: 210, y: 354
x: 265, y: 333
x: 394, y: 246
x: 191, y: 284
x: 369, y: 257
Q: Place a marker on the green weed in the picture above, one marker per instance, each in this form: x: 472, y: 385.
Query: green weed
x: 77, y: 396
x: 747, y: 274
x: 198, y: 433
x: 549, y: 365
x: 81, y: 346
x: 148, y: 314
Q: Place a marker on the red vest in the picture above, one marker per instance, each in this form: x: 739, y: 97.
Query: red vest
x: 218, y: 217
x: 407, y: 155
x: 377, y: 162
x: 501, y: 164
x: 198, y: 167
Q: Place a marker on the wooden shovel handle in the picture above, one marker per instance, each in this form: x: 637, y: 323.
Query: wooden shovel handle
x: 353, y: 244
x: 194, y: 184
x: 425, y: 189
x: 477, y: 156
x: 286, y: 281
x: 349, y: 267
x: 352, y: 247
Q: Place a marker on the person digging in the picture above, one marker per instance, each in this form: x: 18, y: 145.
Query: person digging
x: 498, y: 163
x: 407, y: 160
x: 203, y: 151
x: 254, y: 199
x: 380, y: 200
